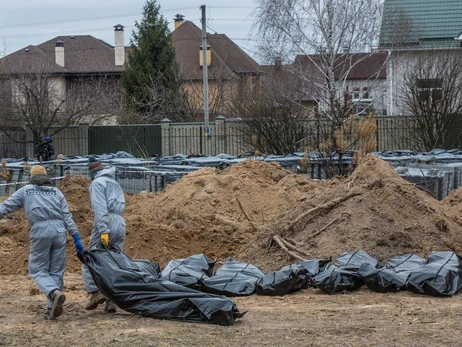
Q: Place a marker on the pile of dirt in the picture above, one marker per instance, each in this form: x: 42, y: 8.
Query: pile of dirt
x: 197, y: 214
x: 208, y: 211
x: 200, y: 213
x: 385, y: 216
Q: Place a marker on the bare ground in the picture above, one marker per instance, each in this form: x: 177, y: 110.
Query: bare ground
x: 200, y: 214
x: 307, y: 318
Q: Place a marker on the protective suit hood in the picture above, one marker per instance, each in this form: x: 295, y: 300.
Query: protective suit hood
x: 110, y: 172
x: 41, y: 180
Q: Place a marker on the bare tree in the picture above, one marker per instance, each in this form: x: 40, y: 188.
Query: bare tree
x: 271, y: 123
x: 47, y: 103
x: 432, y: 92
x: 326, y: 33
x: 327, y: 36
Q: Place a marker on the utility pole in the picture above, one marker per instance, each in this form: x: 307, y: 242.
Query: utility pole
x: 205, y: 81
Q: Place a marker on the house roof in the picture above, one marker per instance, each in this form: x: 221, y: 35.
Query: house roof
x: 82, y: 54
x: 228, y: 60
x: 358, y: 66
x: 288, y: 82
x: 424, y: 23
x: 87, y: 54
x: 301, y: 79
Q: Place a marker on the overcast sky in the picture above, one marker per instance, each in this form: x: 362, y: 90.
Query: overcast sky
x: 31, y: 22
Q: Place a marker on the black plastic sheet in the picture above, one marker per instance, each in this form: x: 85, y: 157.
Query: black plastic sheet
x: 308, y: 268
x: 187, y: 272
x: 148, y: 266
x: 290, y: 278
x: 280, y: 283
x: 441, y: 275
x: 137, y: 291
x: 342, y: 275
x: 233, y: 279
x: 393, y: 273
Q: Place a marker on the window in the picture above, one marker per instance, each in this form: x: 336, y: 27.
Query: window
x: 361, y: 101
x: 430, y: 90
x: 366, y: 93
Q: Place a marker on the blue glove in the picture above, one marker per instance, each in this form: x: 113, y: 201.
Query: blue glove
x: 78, y: 244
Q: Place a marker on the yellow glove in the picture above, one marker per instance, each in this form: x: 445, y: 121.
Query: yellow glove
x: 105, y: 240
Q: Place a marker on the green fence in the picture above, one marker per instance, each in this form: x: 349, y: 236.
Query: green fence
x: 139, y: 140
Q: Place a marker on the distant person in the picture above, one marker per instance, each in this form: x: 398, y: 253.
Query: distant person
x: 49, y: 217
x: 44, y: 149
x: 108, y: 204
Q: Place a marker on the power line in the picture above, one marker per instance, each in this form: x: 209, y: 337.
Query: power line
x: 59, y: 32
x: 88, y: 18
x: 71, y: 31
x: 237, y: 7
x: 66, y: 21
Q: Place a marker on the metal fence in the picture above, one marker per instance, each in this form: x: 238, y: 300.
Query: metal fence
x: 169, y: 138
x: 140, y: 140
x: 12, y: 146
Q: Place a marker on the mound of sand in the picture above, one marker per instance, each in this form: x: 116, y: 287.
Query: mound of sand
x: 388, y: 217
x: 201, y: 214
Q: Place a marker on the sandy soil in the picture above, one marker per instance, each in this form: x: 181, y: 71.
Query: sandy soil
x: 307, y: 318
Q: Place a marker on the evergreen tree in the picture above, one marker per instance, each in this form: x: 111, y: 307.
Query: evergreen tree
x: 151, y: 79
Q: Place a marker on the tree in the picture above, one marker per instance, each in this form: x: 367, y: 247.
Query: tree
x: 150, y: 80
x: 46, y: 103
x: 432, y: 92
x: 328, y: 34
x: 271, y: 123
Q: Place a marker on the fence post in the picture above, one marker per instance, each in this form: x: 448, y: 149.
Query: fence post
x: 83, y: 139
x: 220, y: 135
x: 165, y: 126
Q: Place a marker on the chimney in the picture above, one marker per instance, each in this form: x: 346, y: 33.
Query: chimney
x: 59, y: 53
x: 209, y: 56
x: 179, y: 19
x: 119, y: 48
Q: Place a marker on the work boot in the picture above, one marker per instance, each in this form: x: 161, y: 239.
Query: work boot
x: 110, y: 307
x: 58, y: 300
x: 96, y: 299
x: 48, y: 315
